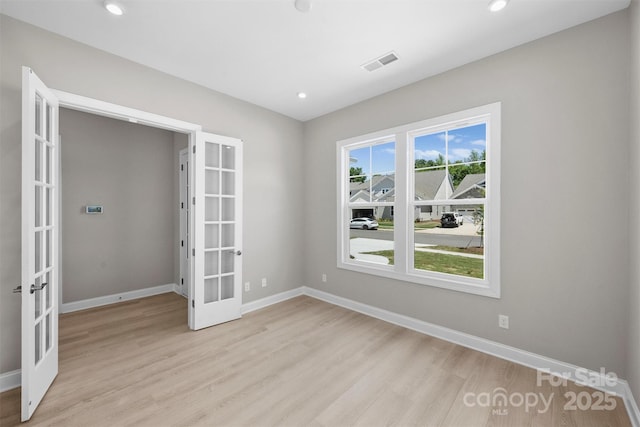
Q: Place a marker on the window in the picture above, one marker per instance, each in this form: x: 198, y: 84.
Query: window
x: 421, y: 202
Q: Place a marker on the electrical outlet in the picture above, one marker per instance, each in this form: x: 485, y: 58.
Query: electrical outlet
x: 324, y: 278
x: 264, y: 282
x: 503, y: 321
x: 247, y: 286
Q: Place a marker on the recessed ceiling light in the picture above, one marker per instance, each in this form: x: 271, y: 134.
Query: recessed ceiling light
x: 113, y: 7
x: 303, y: 6
x: 302, y: 95
x: 497, y: 5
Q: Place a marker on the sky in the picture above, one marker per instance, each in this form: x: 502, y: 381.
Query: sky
x: 380, y: 159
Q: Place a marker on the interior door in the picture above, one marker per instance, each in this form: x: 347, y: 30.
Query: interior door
x: 39, y: 240
x: 216, y: 295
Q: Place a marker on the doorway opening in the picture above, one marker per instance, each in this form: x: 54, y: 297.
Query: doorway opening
x: 120, y: 211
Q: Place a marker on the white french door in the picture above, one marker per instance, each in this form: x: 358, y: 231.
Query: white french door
x: 39, y: 288
x: 216, y: 240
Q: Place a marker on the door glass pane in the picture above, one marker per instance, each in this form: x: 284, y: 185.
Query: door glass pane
x: 211, y: 236
x: 38, y: 206
x: 211, y: 263
x: 212, y: 182
x: 226, y: 287
x: 38, y: 298
x: 210, y: 290
x: 212, y: 155
x: 228, y: 183
x: 48, y: 207
x: 38, y: 160
x: 228, y: 258
x: 49, y: 113
x: 47, y: 334
x: 228, y: 235
x: 228, y: 208
x: 211, y: 209
x: 47, y: 249
x: 228, y: 157
x: 38, y: 115
x: 47, y: 165
x: 47, y: 291
x: 37, y: 247
x: 38, y: 341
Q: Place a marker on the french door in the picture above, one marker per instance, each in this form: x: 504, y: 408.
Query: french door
x: 215, y: 226
x: 40, y: 225
x: 216, y: 285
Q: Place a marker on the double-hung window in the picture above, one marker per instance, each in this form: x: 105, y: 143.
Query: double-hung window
x: 421, y: 202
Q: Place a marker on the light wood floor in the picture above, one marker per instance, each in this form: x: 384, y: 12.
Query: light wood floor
x: 300, y: 362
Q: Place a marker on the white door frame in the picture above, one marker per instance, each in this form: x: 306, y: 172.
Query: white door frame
x: 185, y: 237
x: 119, y: 112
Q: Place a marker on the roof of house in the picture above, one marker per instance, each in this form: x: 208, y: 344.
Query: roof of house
x: 428, y: 183
x: 375, y: 181
x: 469, y: 182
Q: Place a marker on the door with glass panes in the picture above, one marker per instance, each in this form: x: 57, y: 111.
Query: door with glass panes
x: 217, y: 236
x: 40, y: 222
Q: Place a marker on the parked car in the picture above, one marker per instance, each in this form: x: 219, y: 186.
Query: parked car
x: 451, y: 220
x: 364, y: 223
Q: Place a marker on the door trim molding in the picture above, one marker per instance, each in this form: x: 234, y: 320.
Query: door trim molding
x: 119, y: 112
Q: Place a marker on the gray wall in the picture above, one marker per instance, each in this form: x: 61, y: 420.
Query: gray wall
x: 129, y: 169
x: 565, y: 132
x: 272, y: 146
x: 633, y: 358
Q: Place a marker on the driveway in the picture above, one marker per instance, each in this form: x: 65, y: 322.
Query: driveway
x: 466, y: 229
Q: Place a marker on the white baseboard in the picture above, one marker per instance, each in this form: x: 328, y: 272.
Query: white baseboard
x: 521, y: 357
x: 270, y: 300
x: 10, y: 380
x: 110, y: 299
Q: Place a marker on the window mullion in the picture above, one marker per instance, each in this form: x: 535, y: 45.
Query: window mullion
x: 402, y: 225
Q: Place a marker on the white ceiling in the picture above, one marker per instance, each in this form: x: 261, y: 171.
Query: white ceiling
x: 265, y: 51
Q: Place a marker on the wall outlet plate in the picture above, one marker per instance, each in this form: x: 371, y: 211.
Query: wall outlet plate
x: 503, y: 321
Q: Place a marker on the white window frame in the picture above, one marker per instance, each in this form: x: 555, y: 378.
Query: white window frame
x: 404, y: 203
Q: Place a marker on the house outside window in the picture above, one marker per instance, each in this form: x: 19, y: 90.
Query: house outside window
x: 434, y: 189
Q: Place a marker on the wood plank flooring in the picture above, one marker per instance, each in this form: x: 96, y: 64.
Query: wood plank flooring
x: 302, y: 362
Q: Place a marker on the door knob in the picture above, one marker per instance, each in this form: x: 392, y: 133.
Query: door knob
x: 37, y: 288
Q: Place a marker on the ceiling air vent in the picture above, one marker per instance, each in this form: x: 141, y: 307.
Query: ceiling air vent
x: 380, y: 62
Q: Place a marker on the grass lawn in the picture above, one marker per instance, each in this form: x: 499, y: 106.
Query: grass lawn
x: 388, y: 225
x: 470, y: 250
x: 451, y: 264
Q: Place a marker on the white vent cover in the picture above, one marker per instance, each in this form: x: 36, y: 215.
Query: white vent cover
x: 380, y: 62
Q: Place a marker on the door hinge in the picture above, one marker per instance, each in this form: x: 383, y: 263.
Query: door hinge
x: 181, y: 205
x: 193, y: 252
x: 181, y: 167
x: 182, y: 243
x: 194, y: 149
x: 193, y: 303
x: 194, y: 200
x: 182, y: 281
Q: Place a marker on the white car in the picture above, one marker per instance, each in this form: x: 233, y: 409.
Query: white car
x: 364, y: 223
